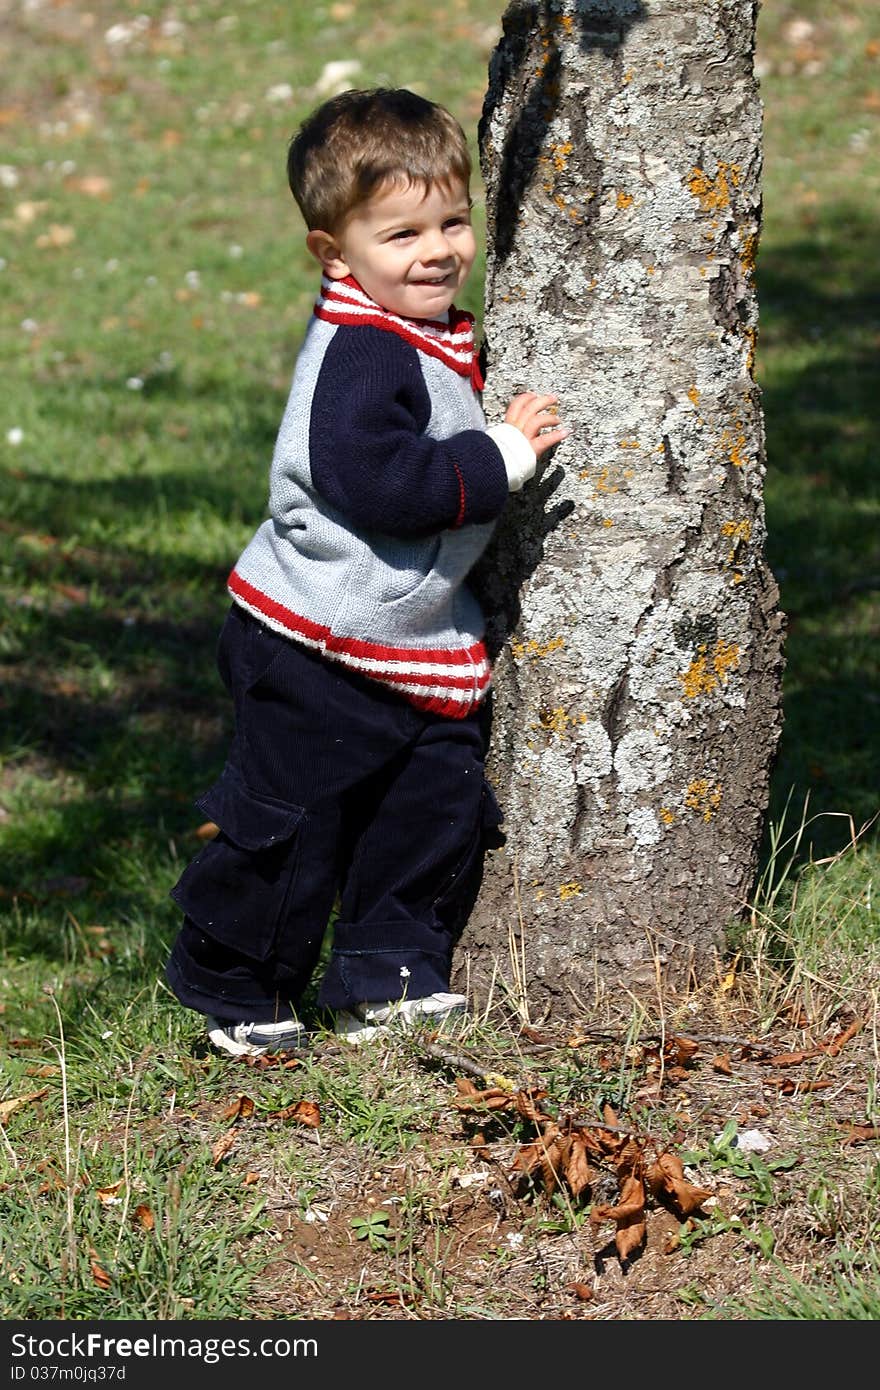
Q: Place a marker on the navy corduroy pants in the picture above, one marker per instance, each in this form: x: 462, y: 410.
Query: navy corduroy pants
x: 335, y: 790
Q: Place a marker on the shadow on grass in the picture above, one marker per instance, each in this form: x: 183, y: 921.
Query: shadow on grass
x: 120, y: 693
x: 818, y: 367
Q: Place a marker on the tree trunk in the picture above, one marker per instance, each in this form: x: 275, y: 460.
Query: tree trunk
x: 632, y: 614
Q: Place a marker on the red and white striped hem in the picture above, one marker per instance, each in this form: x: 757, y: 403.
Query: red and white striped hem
x: 447, y: 682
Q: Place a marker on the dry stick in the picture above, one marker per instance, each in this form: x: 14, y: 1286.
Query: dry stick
x: 138, y: 1070
x: 471, y: 1068
x: 456, y: 1060
x: 518, y: 951
x: 717, y: 1038
x: 61, y: 1053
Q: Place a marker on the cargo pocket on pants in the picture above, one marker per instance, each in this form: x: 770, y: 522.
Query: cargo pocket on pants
x: 236, y: 890
x: 456, y: 902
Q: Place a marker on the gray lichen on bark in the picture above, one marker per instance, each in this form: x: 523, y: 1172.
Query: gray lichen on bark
x: 632, y: 613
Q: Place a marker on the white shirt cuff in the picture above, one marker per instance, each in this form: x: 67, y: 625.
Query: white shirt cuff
x: 519, y: 457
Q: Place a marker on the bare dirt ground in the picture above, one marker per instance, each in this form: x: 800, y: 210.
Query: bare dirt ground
x: 536, y: 1199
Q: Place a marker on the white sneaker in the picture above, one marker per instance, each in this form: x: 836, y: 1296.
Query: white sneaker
x: 256, y: 1039
x: 373, y: 1020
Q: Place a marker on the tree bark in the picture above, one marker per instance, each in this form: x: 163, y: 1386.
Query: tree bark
x: 634, y: 619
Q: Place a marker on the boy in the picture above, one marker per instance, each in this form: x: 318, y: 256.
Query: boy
x: 353, y: 649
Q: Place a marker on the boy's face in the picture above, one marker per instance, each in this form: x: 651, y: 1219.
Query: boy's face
x: 409, y: 248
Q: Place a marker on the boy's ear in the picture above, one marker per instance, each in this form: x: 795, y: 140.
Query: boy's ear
x: 328, y: 253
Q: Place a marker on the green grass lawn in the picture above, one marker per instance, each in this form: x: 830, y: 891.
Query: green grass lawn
x: 154, y: 290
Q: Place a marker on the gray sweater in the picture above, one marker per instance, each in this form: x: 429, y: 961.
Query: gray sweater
x: 385, y: 487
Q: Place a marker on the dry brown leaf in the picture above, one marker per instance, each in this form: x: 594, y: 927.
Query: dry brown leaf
x: 92, y: 185
x: 577, y: 1169
x: 581, y: 1291
x: 666, y: 1179
x: 683, y: 1049
x: 28, y: 211
x: 100, y: 1277
x: 859, y: 1134
x: 42, y: 1069
x: 239, y: 1109
x: 8, y: 1107
x: 56, y: 238
x: 788, y: 1087
x: 526, y: 1103
x: 221, y: 1147
x: 304, y: 1112
x: 630, y: 1235
x: 551, y: 1167
x: 526, y: 1031
x: 250, y: 1178
x: 479, y: 1146
x: 144, y: 1217
x: 722, y: 1063
x: 792, y: 1059
x: 109, y: 1196
x: 544, y: 1155
x: 492, y: 1098
x: 465, y: 1086
x: 834, y: 1047
x: 631, y: 1203
x: 609, y: 1115
x: 628, y: 1214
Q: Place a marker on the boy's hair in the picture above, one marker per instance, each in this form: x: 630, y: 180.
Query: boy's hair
x: 357, y: 141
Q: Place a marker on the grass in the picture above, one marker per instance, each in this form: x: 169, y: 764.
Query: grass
x: 154, y: 292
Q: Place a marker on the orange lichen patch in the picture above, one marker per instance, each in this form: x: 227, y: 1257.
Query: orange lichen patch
x: 547, y: 45
x: 702, y: 797
x: 749, y: 253
x: 733, y: 444
x: 536, y: 649
x: 607, y: 522
x: 738, y: 532
x: 573, y: 889
x: 628, y: 76
x: 624, y: 200
x: 706, y: 673
x: 666, y: 815
x: 603, y: 482
x: 557, y: 721
x: 649, y: 269
x: 630, y: 444
x: 725, y: 659
x: 693, y: 396
x: 751, y: 338
x: 714, y: 194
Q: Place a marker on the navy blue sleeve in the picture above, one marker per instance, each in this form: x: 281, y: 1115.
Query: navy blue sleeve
x: 368, y: 452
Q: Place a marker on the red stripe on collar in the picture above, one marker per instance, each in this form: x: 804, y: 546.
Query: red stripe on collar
x: 344, y: 302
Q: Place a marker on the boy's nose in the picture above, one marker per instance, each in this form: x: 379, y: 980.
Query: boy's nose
x: 435, y: 246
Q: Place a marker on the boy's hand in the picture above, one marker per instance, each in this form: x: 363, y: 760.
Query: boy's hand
x: 535, y: 417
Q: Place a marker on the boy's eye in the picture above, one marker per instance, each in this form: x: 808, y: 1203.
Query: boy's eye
x: 402, y: 235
